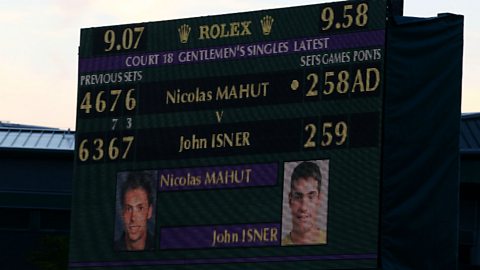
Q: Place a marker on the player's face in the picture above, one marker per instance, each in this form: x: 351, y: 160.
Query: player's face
x: 304, y: 202
x: 136, y: 212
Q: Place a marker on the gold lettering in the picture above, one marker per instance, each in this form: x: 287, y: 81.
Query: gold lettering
x: 219, y: 116
x: 233, y: 92
x: 227, y: 177
x: 171, y: 97
x: 225, y: 237
x: 204, y: 32
x: 230, y: 176
x: 246, y: 31
x: 215, y: 31
x: 258, y: 235
x: 192, y: 143
x: 214, y: 241
x: 224, y: 33
x: 358, y: 82
x: 210, y: 178
x: 376, y: 74
x: 234, y: 29
x: 182, y: 139
x: 235, y: 139
x: 244, y: 90
x: 172, y: 180
x: 269, y: 234
x: 273, y: 234
x: 181, y: 96
x: 224, y: 30
x: 222, y: 93
x: 164, y: 181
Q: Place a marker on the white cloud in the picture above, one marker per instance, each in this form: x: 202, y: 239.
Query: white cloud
x: 40, y: 40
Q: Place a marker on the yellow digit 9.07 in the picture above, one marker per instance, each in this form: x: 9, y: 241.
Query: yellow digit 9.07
x: 130, y: 39
x: 109, y: 39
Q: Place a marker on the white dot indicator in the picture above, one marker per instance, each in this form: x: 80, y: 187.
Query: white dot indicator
x: 294, y: 85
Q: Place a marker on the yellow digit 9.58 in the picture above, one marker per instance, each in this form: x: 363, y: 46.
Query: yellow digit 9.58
x: 328, y: 16
x: 362, y: 15
x: 348, y: 17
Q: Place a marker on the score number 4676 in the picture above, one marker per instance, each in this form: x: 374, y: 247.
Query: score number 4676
x: 102, y: 102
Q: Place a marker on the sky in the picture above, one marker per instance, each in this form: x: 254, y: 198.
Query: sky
x: 39, y: 42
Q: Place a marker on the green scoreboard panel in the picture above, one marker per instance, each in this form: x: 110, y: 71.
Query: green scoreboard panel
x: 239, y: 141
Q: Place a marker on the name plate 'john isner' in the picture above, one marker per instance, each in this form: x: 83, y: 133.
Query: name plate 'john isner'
x: 248, y: 235
x: 219, y: 236
x: 215, y: 140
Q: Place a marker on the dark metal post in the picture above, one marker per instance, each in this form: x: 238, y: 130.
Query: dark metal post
x: 395, y: 7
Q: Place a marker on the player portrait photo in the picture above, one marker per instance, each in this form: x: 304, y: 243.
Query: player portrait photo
x: 305, y: 202
x: 135, y: 211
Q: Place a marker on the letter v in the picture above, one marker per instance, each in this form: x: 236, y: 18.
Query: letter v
x: 219, y: 116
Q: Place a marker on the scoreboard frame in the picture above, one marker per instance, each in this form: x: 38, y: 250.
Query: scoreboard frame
x: 213, y: 114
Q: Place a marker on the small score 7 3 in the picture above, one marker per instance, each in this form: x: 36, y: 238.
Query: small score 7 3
x: 332, y: 134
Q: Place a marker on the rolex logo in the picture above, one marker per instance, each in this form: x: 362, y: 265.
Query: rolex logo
x: 267, y: 23
x: 184, y: 32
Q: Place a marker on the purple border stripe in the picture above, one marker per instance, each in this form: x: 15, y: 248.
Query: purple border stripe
x: 155, y: 59
x: 218, y: 177
x: 368, y: 256
x: 219, y: 236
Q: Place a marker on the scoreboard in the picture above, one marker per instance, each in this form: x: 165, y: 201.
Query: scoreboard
x: 248, y: 140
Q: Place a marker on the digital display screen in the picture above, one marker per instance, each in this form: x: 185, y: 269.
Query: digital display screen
x: 248, y: 140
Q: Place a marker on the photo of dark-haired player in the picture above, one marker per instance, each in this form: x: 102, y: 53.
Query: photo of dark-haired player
x: 135, y: 211
x: 305, y: 203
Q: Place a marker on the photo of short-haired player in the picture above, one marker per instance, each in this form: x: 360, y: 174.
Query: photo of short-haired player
x: 135, y: 211
x: 305, y: 203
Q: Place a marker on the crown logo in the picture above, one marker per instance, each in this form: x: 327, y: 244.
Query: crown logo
x: 184, y: 32
x: 267, y: 23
